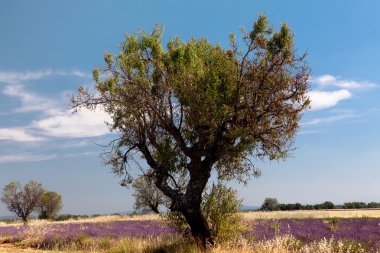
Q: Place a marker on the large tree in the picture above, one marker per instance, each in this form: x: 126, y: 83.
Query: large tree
x: 194, y: 107
x: 22, y: 200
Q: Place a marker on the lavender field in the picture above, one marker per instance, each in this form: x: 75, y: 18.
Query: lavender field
x: 354, y: 231
x: 341, y: 234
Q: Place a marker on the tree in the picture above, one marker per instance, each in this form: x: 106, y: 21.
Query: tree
x: 373, y: 205
x: 147, y: 196
x: 22, y: 200
x: 270, y: 204
x: 49, y: 205
x: 195, y: 107
x: 327, y: 205
x: 354, y: 205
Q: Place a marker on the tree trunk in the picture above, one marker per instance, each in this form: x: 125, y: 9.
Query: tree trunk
x: 200, y: 229
x: 25, y: 221
x: 155, y: 209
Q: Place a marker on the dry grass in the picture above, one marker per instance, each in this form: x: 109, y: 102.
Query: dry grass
x: 313, y: 214
x: 283, y: 244
x: 301, y: 214
x: 105, y: 218
x: 289, y: 244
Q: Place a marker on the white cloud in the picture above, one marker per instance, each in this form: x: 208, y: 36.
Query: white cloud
x: 17, y: 134
x: 14, y: 77
x: 18, y: 77
x: 25, y: 158
x: 52, y: 120
x: 29, y: 101
x: 72, y: 73
x: 56, y: 122
x: 325, y: 99
x: 84, y: 123
x: 309, y: 132
x: 329, y: 119
x: 75, y: 144
x: 70, y: 155
x: 329, y: 80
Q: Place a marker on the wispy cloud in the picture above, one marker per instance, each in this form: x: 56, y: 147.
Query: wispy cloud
x: 14, y: 77
x: 18, y: 134
x: 84, y: 123
x: 25, y: 158
x: 330, y: 80
x: 29, y: 101
x: 72, y: 73
x: 55, y: 121
x: 309, y: 132
x: 326, y: 99
x: 18, y: 77
x: 70, y: 155
x: 328, y: 119
x: 76, y: 144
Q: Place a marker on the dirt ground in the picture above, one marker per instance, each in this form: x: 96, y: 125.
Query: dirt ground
x: 10, y: 248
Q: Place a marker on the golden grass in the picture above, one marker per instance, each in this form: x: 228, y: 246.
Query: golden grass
x: 105, y: 218
x: 313, y: 214
x: 301, y: 214
x: 282, y: 244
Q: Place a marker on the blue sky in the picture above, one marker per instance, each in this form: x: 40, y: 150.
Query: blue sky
x: 49, y: 48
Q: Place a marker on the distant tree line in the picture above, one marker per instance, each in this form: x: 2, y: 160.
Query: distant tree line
x: 359, y: 205
x: 271, y: 204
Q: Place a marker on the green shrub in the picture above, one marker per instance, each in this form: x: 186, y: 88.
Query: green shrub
x: 178, y: 222
x: 220, y: 206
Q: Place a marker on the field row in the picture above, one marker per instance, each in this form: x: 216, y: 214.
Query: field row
x: 293, y: 235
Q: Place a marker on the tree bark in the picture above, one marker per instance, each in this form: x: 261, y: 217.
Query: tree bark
x: 155, y: 209
x: 200, y: 229
x: 25, y: 220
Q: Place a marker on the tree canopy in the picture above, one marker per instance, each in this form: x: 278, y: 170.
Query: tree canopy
x: 49, y: 204
x: 147, y: 196
x: 22, y: 200
x: 193, y: 107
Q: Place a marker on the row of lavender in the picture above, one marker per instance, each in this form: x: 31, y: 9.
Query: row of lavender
x: 365, y: 231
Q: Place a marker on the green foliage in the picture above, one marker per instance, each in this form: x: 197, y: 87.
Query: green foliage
x: 177, y: 221
x: 64, y: 217
x: 287, y: 207
x: 30, y: 198
x: 327, y: 205
x: 147, y: 196
x: 22, y: 200
x: 354, y: 205
x: 373, y: 205
x: 270, y: 204
x: 49, y: 205
x: 332, y: 223
x: 238, y: 102
x: 192, y: 107
x: 220, y: 206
